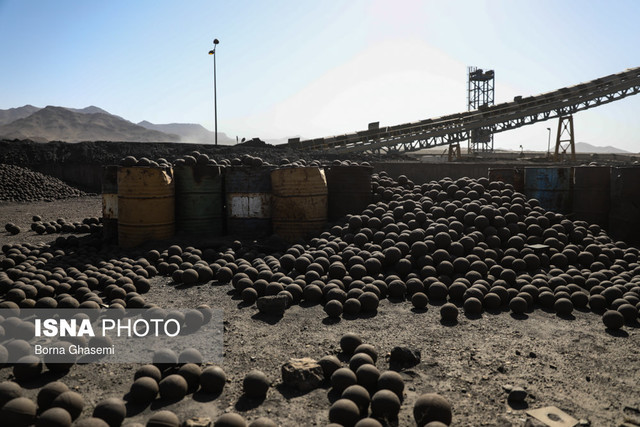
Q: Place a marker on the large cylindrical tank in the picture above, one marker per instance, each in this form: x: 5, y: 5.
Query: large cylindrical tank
x: 146, y: 205
x: 513, y: 176
x: 299, y: 203
x: 591, y: 194
x: 110, y: 203
x: 199, y: 200
x: 624, y: 214
x: 551, y: 186
x: 248, y: 197
x: 349, y: 190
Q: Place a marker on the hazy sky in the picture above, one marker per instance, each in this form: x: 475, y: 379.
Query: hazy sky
x: 316, y: 68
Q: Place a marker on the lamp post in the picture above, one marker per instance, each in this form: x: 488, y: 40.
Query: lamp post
x: 215, y: 101
x: 549, y: 144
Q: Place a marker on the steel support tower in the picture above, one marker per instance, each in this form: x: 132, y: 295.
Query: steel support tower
x: 480, y: 95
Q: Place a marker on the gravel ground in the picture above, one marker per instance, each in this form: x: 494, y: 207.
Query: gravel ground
x: 574, y: 364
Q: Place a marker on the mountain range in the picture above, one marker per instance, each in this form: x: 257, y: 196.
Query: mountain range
x: 95, y: 124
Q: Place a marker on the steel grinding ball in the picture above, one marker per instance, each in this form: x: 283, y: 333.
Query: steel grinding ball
x: 329, y: 365
x: 349, y: 342
x: 333, y: 308
x: 95, y: 422
x: 230, y: 420
x: 367, y: 349
x: 518, y: 305
x: 391, y: 380
x: 358, y: 395
x: 344, y: 412
x: 431, y: 407
x: 173, y: 387
x: 27, y: 368
x: 212, y: 380
x: 165, y: 358
x: 112, y: 410
x: 472, y: 306
x: 190, y: 355
x: 191, y: 372
x: 54, y: 417
x: 249, y: 295
x: 358, y: 360
x: 385, y: 404
x: 144, y: 390
x: 151, y: 371
x: 71, y: 401
x: 419, y: 300
x: 18, y: 412
x: 563, y: 306
x: 343, y: 378
x: 164, y: 419
x: 49, y: 392
x: 613, y: 319
x: 8, y: 391
x: 449, y: 312
x: 263, y: 422
x: 255, y: 384
x: 368, y: 422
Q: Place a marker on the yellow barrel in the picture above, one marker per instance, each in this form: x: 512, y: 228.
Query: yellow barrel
x: 146, y: 205
x: 110, y: 203
x: 299, y: 202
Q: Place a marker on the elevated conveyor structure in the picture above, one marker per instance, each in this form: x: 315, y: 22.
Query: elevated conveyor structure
x: 454, y: 128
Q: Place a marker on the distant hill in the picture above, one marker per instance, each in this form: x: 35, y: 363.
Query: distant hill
x: 189, y: 132
x: 13, y: 114
x: 63, y: 124
x: 583, y: 147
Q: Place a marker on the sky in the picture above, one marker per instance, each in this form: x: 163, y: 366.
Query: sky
x: 288, y: 68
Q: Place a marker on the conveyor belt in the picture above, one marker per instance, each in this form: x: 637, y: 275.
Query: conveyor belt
x: 498, y: 118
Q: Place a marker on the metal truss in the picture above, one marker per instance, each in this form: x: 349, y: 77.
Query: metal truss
x: 498, y: 118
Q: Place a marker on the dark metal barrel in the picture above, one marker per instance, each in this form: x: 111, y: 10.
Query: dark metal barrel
x: 146, y: 205
x: 513, y: 176
x: 110, y: 203
x: 199, y: 201
x: 591, y: 194
x: 624, y: 215
x: 299, y: 203
x: 248, y: 197
x: 349, y: 190
x: 551, y: 186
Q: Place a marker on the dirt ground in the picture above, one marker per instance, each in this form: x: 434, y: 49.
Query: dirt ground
x: 574, y: 364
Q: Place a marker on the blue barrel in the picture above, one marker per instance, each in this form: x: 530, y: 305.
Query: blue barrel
x: 625, y: 204
x: 551, y: 186
x: 248, y: 198
x: 199, y: 201
x: 349, y: 190
x: 591, y: 194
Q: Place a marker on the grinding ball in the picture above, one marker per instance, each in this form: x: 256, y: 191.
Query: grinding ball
x: 212, y: 379
x: 112, y: 410
x: 173, y: 387
x: 431, y: 407
x: 71, y: 401
x: 230, y: 420
x: 54, y: 417
x: 164, y: 419
x: 255, y: 384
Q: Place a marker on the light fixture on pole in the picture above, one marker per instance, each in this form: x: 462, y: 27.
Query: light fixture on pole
x: 215, y: 101
x: 549, y: 144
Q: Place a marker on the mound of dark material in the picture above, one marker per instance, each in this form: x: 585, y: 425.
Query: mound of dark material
x: 23, y: 185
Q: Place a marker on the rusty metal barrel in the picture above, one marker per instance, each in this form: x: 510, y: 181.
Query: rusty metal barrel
x: 349, y: 190
x: 591, y: 194
x: 551, y: 186
x: 199, y: 200
x: 110, y: 203
x: 625, y: 204
x: 146, y: 205
x: 513, y: 176
x: 248, y: 197
x: 299, y: 203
